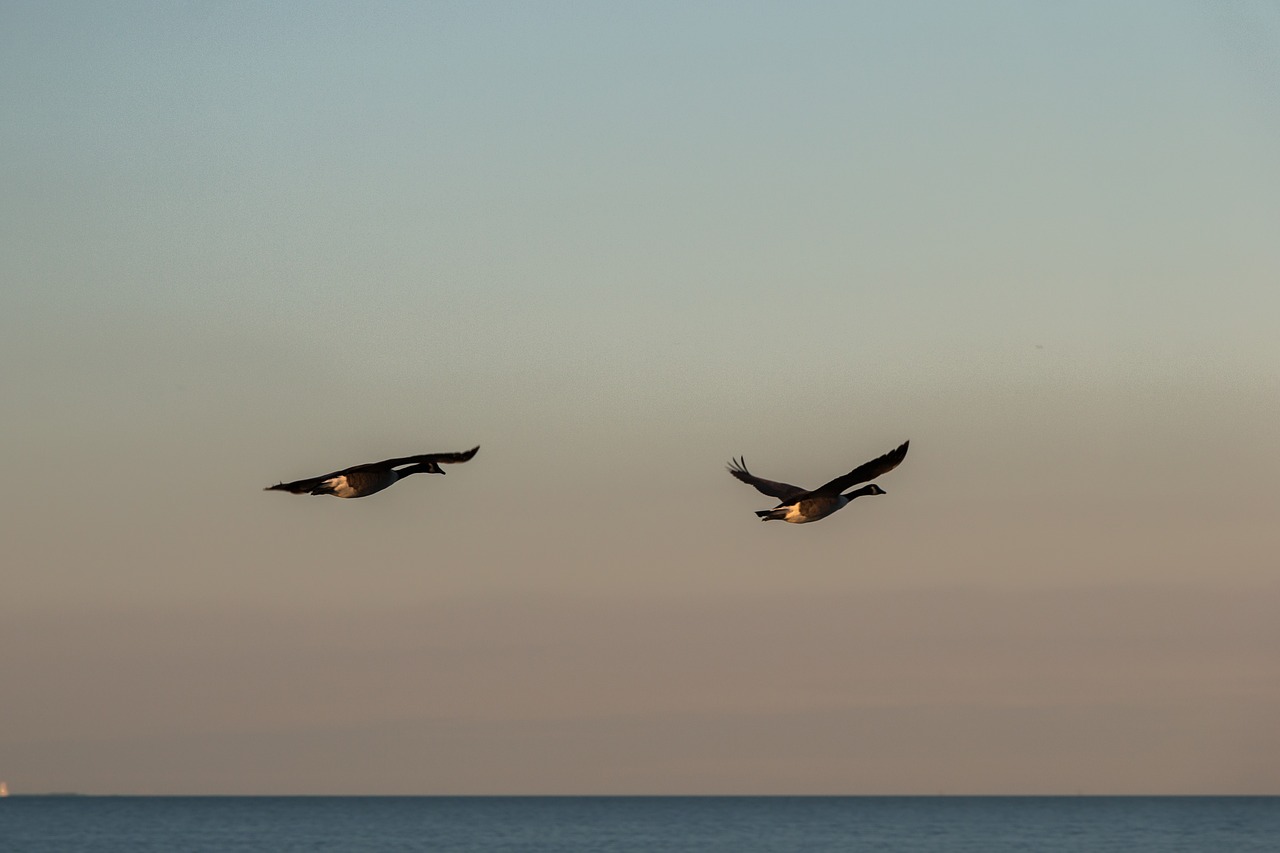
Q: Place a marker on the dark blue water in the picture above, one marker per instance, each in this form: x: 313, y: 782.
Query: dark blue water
x: 617, y: 824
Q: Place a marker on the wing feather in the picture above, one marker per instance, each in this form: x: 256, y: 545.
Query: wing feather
x: 784, y: 492
x: 866, y: 471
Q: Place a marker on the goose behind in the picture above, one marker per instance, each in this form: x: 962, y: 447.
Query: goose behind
x: 801, y: 506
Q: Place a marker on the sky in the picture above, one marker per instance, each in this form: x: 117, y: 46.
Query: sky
x: 616, y: 245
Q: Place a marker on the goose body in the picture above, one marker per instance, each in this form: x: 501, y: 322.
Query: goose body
x: 801, y: 506
x: 360, y: 481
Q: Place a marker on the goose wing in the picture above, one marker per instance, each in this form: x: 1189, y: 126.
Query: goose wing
x: 784, y: 492
x: 445, y: 458
x: 300, y: 487
x: 866, y: 471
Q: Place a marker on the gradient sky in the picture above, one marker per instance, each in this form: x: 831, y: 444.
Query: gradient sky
x: 616, y: 244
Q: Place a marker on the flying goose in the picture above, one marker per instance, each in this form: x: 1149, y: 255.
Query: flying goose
x: 363, y: 480
x: 800, y: 506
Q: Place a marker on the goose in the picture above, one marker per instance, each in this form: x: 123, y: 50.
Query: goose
x: 800, y: 506
x: 360, y: 481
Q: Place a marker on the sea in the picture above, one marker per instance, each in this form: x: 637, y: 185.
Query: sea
x: 61, y: 824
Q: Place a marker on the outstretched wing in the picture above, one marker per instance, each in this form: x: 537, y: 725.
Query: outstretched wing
x: 300, y: 487
x: 445, y: 458
x: 866, y: 471
x: 784, y: 492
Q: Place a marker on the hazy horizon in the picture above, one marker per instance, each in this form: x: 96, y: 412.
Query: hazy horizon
x: 616, y: 246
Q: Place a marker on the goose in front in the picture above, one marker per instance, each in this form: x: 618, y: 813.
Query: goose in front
x: 363, y: 480
x: 800, y: 506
